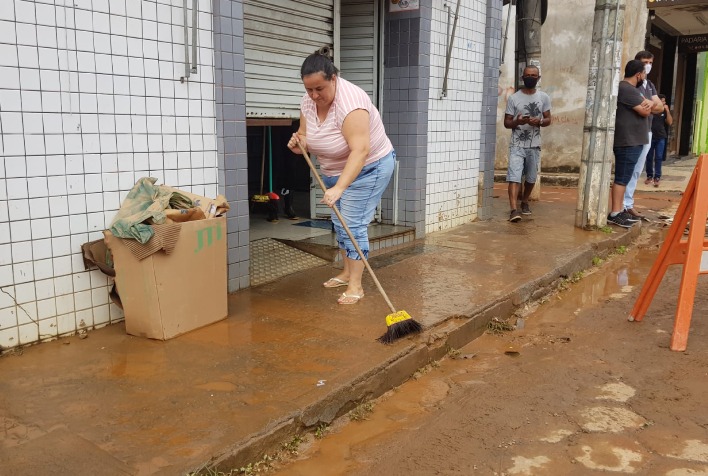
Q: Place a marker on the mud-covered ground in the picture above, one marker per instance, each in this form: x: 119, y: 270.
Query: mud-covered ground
x: 578, y: 390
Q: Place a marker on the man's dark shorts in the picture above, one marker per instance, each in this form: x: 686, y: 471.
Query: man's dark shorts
x: 625, y: 160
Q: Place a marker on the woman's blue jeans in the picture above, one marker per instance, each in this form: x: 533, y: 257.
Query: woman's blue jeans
x: 358, y: 204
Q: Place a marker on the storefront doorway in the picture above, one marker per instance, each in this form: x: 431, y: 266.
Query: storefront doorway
x: 278, y: 35
x: 678, y: 38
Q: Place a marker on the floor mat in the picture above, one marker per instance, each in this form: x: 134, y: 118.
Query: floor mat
x: 271, y: 259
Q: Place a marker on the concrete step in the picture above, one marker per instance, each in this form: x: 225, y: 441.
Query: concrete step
x: 381, y: 237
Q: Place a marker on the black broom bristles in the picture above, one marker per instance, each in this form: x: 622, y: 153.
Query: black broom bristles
x: 400, y: 329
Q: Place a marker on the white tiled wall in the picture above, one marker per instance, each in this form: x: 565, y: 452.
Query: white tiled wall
x: 454, y: 122
x: 90, y: 101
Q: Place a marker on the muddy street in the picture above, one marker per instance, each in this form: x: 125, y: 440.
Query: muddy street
x: 575, y: 389
x: 289, y: 360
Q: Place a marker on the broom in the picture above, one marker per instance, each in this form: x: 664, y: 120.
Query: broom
x: 261, y: 197
x: 398, y: 323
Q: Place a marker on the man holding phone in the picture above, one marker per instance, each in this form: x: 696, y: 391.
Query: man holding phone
x: 527, y: 110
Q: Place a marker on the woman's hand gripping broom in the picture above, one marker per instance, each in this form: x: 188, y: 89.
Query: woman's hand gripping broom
x: 398, y: 323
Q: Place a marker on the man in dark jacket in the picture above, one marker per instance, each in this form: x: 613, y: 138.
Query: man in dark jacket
x: 659, y: 134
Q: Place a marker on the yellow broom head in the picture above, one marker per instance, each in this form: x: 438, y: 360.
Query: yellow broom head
x: 397, y: 317
x: 260, y: 198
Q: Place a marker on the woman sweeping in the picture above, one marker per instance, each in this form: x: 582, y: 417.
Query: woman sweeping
x: 341, y: 126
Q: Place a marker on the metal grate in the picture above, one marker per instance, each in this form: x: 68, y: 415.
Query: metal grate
x: 271, y: 259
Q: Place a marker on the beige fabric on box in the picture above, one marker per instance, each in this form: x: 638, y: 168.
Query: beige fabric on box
x: 164, y: 238
x: 212, y: 207
x: 180, y: 216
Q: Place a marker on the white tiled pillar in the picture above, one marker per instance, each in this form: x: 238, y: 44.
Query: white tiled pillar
x: 454, y: 121
x: 90, y: 101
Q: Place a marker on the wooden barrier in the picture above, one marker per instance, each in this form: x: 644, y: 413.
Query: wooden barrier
x: 692, y: 253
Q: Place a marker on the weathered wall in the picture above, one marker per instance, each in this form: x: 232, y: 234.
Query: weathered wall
x: 635, y: 27
x: 567, y: 35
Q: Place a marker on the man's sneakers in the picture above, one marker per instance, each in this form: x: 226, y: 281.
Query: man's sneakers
x: 629, y: 217
x: 514, y: 216
x: 634, y: 213
x: 620, y: 220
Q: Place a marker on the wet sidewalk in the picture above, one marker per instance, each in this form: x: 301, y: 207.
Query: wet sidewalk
x: 287, y: 357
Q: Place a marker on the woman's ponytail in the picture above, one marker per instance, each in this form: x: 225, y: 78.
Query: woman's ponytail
x: 320, y: 61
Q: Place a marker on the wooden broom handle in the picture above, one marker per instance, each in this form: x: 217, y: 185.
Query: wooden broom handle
x: 263, y: 153
x: 349, y: 232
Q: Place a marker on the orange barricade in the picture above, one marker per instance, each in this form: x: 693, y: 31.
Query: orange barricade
x: 679, y: 250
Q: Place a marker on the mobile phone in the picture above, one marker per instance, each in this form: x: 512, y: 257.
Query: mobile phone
x: 525, y: 116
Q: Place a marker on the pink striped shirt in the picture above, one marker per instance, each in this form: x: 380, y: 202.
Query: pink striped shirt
x: 325, y: 140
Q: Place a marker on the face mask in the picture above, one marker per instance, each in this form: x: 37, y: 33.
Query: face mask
x: 530, y: 83
x: 647, y: 68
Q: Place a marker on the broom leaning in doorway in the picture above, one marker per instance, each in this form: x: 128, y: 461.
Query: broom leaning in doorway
x: 271, y: 198
x: 398, y: 323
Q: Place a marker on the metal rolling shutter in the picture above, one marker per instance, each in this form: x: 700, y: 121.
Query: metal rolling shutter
x: 278, y: 35
x: 358, y: 45
x: 358, y: 61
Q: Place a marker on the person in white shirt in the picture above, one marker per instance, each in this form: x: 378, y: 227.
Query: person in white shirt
x: 649, y: 92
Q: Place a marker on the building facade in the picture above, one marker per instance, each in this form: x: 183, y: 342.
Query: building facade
x: 566, y: 38
x: 95, y: 94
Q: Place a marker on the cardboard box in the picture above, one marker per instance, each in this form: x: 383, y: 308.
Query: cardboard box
x: 165, y: 295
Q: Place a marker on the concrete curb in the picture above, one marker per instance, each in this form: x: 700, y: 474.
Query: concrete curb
x: 434, y: 343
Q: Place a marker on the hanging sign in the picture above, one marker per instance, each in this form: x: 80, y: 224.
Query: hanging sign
x: 671, y: 3
x: 403, y: 5
x: 693, y: 43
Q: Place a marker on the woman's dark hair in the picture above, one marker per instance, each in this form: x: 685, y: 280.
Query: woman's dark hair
x: 319, y: 62
x: 633, y: 67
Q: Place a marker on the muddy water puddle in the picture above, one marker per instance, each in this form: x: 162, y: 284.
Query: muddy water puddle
x: 341, y: 447
x: 613, y: 281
